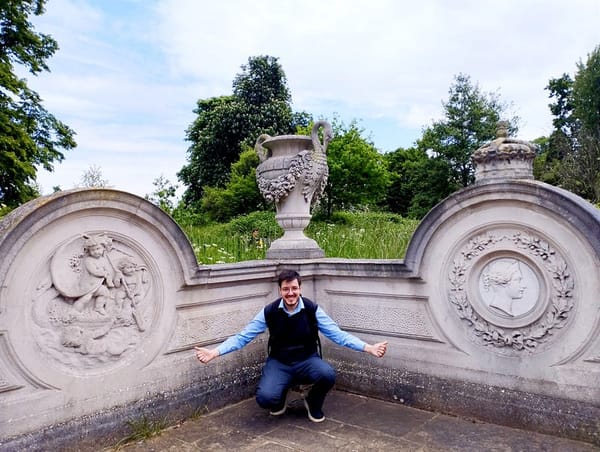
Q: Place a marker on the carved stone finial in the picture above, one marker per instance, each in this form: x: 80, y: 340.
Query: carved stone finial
x: 504, y: 157
x: 502, y: 129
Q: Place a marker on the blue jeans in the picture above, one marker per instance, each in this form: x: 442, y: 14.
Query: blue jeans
x: 277, y: 378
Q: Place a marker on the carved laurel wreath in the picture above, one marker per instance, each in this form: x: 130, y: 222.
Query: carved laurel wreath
x: 281, y: 186
x: 530, y: 337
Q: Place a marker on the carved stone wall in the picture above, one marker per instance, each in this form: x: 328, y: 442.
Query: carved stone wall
x: 96, y: 313
x: 518, y: 270
x: 494, y: 314
x: 511, y: 270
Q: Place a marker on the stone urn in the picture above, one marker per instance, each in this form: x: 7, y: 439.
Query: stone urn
x: 293, y: 174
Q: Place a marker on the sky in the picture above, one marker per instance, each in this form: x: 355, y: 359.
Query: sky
x: 128, y: 73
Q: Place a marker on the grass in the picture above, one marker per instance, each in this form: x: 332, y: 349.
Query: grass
x: 363, y: 235
x: 357, y: 235
x: 142, y: 429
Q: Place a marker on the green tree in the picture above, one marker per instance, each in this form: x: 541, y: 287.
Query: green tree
x: 260, y: 103
x: 554, y: 148
x: 214, y: 143
x: 240, y: 196
x: 579, y: 171
x: 358, y: 176
x: 417, y: 182
x: 561, y: 91
x: 29, y: 135
x: 164, y: 194
x: 566, y: 127
x: 545, y: 167
x: 470, y: 120
x: 261, y: 83
x: 571, y: 158
x: 586, y: 94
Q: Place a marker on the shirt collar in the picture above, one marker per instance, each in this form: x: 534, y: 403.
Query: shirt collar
x: 299, y: 307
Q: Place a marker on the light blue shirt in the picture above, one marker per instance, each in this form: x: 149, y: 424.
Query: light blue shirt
x: 258, y: 325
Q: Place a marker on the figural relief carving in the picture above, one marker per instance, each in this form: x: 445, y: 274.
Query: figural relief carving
x: 95, y: 304
x: 512, y: 289
x: 508, y: 286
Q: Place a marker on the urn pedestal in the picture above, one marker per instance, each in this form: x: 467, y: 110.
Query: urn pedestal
x: 293, y: 174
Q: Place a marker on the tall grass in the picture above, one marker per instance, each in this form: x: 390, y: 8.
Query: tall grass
x: 363, y: 235
x: 348, y: 235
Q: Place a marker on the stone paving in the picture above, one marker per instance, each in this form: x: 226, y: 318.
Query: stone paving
x: 353, y: 423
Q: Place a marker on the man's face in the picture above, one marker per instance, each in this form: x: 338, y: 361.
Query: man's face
x: 290, y: 292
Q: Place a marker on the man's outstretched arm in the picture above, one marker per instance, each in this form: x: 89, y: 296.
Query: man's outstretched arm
x: 256, y: 326
x: 333, y: 332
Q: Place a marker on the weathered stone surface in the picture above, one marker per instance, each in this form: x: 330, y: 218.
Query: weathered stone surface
x: 493, y: 314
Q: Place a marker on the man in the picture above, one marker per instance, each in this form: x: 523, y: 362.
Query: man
x: 294, y: 323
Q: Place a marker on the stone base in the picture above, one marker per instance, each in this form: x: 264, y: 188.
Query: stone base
x: 296, y: 246
x: 566, y: 418
x: 295, y: 253
x: 504, y: 169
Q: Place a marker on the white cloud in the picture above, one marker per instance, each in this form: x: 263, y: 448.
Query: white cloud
x: 129, y: 73
x: 385, y: 56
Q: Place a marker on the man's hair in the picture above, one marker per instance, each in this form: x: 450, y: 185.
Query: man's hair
x: 289, y: 275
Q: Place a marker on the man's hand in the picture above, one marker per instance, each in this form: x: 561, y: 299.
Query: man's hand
x: 378, y: 349
x: 205, y: 355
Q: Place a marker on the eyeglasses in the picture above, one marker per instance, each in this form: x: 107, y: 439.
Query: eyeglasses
x: 289, y: 289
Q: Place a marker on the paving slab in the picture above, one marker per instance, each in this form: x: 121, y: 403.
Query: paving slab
x: 353, y: 423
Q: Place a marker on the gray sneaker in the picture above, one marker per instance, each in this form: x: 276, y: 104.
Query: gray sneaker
x: 314, y: 415
x: 280, y: 411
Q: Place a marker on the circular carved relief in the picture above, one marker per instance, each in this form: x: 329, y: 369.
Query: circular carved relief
x: 507, y: 288
x: 94, y: 301
x: 513, y: 290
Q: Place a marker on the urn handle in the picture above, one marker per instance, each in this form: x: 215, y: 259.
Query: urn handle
x: 262, y: 152
x: 327, y: 136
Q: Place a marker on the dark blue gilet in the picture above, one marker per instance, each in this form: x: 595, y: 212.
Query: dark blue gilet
x: 292, y: 338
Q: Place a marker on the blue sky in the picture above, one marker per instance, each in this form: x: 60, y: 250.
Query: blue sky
x: 129, y: 72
